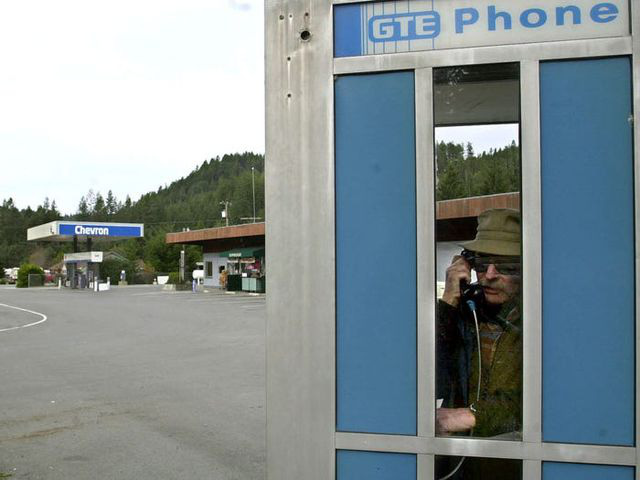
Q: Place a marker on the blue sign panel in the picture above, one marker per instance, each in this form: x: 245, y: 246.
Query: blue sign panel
x: 373, y: 28
x: 101, y: 230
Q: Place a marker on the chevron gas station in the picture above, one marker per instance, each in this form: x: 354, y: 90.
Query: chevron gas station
x: 83, y: 265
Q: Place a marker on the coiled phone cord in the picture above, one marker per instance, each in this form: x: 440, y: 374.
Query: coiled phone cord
x: 472, y: 306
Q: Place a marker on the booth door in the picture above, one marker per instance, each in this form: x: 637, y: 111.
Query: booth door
x: 587, y: 269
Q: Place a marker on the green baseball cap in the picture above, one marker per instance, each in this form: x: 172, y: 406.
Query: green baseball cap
x: 498, y: 233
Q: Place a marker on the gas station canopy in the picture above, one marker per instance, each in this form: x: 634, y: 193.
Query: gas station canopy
x: 65, y: 231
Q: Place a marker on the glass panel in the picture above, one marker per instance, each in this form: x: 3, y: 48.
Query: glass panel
x: 478, y: 238
x: 472, y: 468
x: 588, y: 321
x: 355, y: 465
x: 576, y: 471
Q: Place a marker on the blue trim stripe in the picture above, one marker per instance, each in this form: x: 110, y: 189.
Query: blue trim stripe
x: 347, y: 30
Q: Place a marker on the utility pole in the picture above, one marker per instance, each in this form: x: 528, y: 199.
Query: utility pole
x: 253, y: 187
x: 225, y: 212
x: 182, y: 264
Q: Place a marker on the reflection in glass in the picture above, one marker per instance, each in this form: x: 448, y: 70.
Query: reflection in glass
x: 472, y: 468
x: 478, y: 234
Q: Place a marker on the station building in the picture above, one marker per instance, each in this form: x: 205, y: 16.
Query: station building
x: 239, y: 250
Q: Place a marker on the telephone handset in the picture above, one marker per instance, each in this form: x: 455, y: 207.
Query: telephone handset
x: 471, y: 292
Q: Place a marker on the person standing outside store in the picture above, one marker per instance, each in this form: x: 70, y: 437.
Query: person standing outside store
x: 223, y: 278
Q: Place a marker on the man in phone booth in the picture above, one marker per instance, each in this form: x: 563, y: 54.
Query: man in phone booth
x: 479, y: 334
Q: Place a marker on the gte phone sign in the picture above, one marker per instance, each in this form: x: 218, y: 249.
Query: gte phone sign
x: 404, y: 26
x: 399, y: 26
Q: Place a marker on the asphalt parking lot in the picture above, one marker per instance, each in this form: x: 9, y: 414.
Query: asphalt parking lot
x: 133, y: 383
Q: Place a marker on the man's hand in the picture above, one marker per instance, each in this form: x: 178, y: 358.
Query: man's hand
x: 457, y: 271
x: 451, y: 420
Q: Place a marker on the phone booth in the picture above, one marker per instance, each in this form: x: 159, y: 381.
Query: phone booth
x: 453, y: 183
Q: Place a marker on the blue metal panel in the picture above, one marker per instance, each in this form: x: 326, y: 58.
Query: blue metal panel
x: 347, y: 28
x: 588, y: 252
x: 376, y: 253
x: 575, y: 471
x: 375, y: 466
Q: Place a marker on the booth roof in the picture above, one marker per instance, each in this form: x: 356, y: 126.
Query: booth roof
x: 244, y: 252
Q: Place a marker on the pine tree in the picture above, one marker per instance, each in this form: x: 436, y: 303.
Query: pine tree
x: 83, y: 209
x: 111, y: 204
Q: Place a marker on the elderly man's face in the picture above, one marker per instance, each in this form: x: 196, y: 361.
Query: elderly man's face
x: 500, y: 281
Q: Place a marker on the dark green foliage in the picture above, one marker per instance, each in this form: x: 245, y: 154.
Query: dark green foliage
x: 14, y: 223
x: 162, y: 257
x: 112, y: 267
x: 462, y: 175
x: 24, y: 272
x: 195, y: 201
x: 174, y: 278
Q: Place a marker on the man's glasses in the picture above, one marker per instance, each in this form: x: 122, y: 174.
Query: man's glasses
x: 505, y: 265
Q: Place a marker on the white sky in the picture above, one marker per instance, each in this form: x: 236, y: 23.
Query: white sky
x: 125, y: 95
x: 482, y: 137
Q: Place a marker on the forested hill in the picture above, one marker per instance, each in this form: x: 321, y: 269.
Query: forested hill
x: 194, y: 201
x: 191, y: 202
x: 461, y: 173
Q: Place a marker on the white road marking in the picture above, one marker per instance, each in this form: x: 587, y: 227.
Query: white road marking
x: 44, y: 318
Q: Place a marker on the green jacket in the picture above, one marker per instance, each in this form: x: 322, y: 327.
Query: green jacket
x: 499, y: 410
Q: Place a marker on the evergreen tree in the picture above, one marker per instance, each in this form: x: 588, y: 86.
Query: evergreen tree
x: 462, y: 176
x: 83, y: 209
x: 111, y: 204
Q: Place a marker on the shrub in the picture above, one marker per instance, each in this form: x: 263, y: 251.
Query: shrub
x: 112, y: 267
x: 174, y: 278
x: 25, y: 270
x: 143, y: 278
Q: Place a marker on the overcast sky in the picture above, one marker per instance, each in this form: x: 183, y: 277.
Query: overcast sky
x: 482, y: 137
x: 125, y: 95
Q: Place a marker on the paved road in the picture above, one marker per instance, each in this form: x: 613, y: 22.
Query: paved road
x: 134, y: 383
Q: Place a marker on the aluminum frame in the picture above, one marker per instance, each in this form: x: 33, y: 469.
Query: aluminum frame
x: 605, y: 47
x: 301, y: 436
x: 532, y: 251
x: 300, y: 331
x: 426, y: 246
